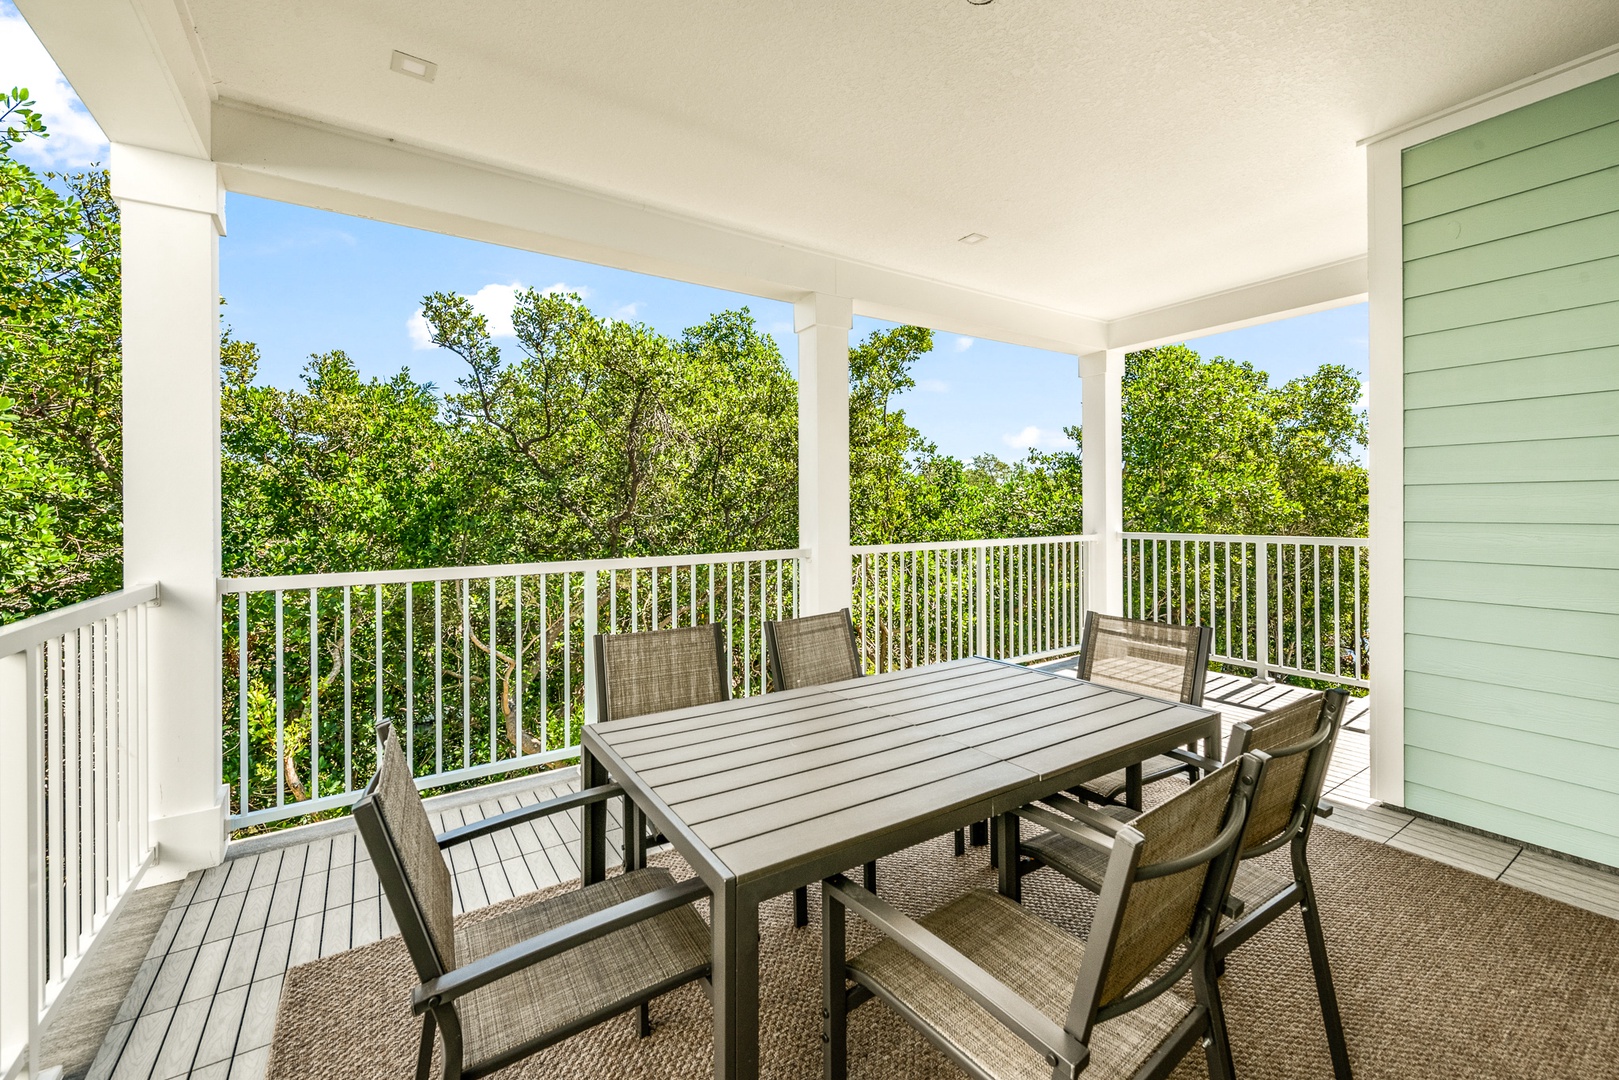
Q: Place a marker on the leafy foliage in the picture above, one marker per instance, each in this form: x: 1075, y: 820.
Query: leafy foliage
x: 61, y: 461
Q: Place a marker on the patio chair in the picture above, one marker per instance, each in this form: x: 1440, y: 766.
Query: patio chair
x: 501, y: 988
x: 1298, y: 740
x: 1157, y: 659
x: 811, y: 651
x: 1004, y: 994
x: 655, y: 671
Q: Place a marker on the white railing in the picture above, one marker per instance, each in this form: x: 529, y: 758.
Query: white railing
x: 484, y: 670
x: 1021, y: 599
x: 1294, y: 605
x: 74, y: 837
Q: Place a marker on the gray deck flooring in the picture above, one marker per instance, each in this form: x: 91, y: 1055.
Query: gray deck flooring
x: 203, y: 1001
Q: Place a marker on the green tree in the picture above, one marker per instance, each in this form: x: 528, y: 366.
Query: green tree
x: 60, y: 374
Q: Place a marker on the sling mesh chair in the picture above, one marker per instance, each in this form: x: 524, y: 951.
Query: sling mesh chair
x: 1006, y: 995
x: 655, y: 671
x: 810, y: 651
x: 501, y: 988
x: 1157, y: 659
x: 1298, y: 741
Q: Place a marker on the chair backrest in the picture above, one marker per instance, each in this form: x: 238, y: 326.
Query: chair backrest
x: 1167, y: 879
x: 1153, y: 658
x: 659, y: 670
x: 1298, y: 738
x: 404, y: 851
x: 812, y: 650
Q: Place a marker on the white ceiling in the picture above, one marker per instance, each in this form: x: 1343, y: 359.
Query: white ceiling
x: 1121, y: 155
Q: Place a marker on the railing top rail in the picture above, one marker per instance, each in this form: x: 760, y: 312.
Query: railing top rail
x: 231, y: 585
x: 935, y: 545
x: 30, y: 632
x: 1236, y: 538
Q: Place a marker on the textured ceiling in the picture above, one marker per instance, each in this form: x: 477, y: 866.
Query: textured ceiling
x: 1120, y: 155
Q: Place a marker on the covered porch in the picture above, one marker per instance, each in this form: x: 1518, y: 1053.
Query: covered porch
x: 165, y: 724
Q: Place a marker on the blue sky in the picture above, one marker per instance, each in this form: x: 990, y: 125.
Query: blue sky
x: 300, y: 281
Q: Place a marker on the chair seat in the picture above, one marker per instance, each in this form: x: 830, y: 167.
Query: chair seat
x: 1110, y: 787
x: 1035, y: 959
x: 595, y: 980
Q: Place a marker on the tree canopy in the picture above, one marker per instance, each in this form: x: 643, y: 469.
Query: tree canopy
x: 587, y: 437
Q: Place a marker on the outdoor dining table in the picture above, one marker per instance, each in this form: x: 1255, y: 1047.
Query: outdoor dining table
x: 763, y: 794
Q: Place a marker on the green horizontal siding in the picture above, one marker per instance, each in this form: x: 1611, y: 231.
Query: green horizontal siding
x: 1511, y: 456
x: 1534, y: 712
x: 1522, y: 544
x: 1560, y: 245
x: 1581, y: 109
x: 1529, y: 419
x: 1592, y: 502
x: 1592, y: 371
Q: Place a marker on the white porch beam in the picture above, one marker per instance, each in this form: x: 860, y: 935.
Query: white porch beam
x: 299, y: 161
x: 1102, y: 476
x: 1334, y: 285
x: 823, y: 323
x: 136, y: 65
x: 172, y: 212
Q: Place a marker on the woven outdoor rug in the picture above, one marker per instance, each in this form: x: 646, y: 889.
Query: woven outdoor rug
x: 1440, y: 973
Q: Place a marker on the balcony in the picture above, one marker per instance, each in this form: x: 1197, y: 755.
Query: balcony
x: 174, y: 836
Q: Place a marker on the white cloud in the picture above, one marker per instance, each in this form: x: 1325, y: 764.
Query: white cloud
x: 962, y: 344
x: 75, y: 139
x: 580, y: 291
x: 494, y: 302
x: 627, y: 311
x: 933, y: 386
x: 1039, y: 438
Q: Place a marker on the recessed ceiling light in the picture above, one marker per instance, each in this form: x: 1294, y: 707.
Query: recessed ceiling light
x: 974, y: 238
x: 414, y: 66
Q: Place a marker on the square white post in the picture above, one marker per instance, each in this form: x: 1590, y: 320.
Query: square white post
x: 1102, y: 475
x: 173, y: 212
x: 823, y: 323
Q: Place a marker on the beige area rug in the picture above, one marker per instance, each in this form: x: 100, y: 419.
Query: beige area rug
x: 1440, y: 973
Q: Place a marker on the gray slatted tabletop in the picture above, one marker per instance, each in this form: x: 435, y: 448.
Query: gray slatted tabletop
x: 764, y: 794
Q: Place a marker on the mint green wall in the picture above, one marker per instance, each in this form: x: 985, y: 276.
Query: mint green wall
x: 1511, y: 249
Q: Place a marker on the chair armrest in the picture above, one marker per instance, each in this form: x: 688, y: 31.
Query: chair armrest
x: 1002, y: 1002
x: 1080, y: 831
x: 1191, y: 757
x: 514, y: 958
x: 526, y: 813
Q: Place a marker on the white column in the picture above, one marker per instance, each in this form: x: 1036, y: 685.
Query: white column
x: 1102, y: 478
x: 1385, y: 460
x: 173, y: 213
x: 823, y: 323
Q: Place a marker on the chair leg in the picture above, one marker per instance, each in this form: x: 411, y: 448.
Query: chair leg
x: 643, y: 1020
x: 634, y: 832
x: 450, y: 1029
x: 994, y: 849
x: 424, y: 1055
x: 871, y: 876
x: 801, y: 906
x: 961, y: 842
x: 1330, y: 1016
x: 835, y: 1033
x: 978, y: 833
x: 1217, y: 1046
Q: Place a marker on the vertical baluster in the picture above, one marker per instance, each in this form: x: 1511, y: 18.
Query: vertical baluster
x: 653, y: 573
x: 56, y: 843
x: 348, y: 690
x: 73, y: 783
x: 1337, y: 610
x: 103, y: 816
x: 314, y: 694
x: 494, y: 706
x: 438, y: 677
x: 377, y: 717
x: 1315, y: 608
x: 466, y: 672
x: 567, y: 656
x: 280, y: 706
x: 118, y: 857
x: 730, y: 620
x: 243, y: 744
x: 691, y: 595
x: 519, y: 673
x: 764, y: 613
x: 545, y: 664
x: 410, y: 675
x: 1360, y: 670
x: 1298, y: 610
x: 635, y: 620
x: 747, y: 631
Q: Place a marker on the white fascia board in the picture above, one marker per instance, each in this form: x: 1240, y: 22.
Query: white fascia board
x: 1323, y: 287
x: 1549, y: 83
x: 299, y: 161
x: 136, y: 65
